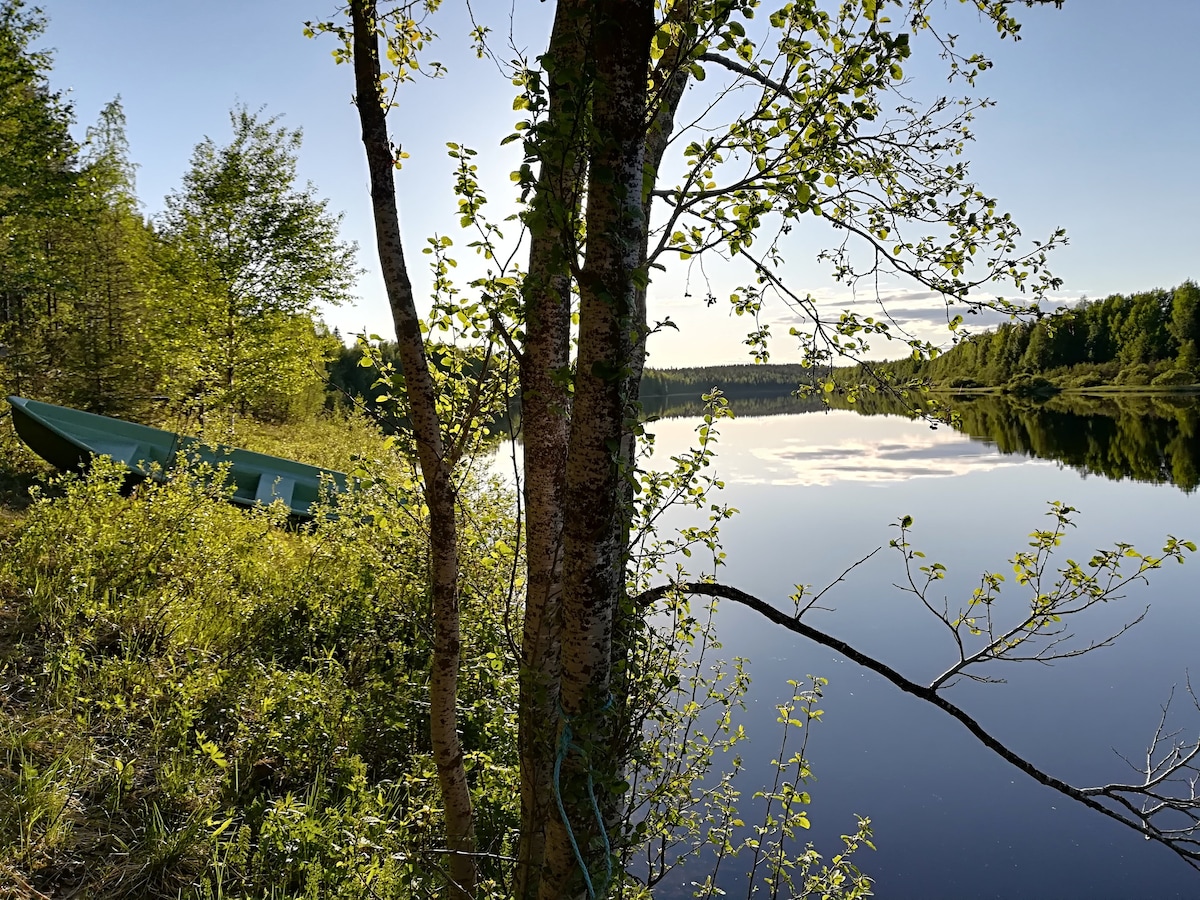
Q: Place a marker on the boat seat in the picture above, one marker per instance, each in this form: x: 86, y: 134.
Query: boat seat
x: 274, y: 487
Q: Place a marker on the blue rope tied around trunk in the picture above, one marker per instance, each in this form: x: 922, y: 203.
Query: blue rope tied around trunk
x: 565, y: 743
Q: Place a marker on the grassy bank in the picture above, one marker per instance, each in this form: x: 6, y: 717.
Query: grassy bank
x: 198, y: 702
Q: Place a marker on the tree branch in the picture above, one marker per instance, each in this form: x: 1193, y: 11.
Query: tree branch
x: 741, y: 69
x: 1182, y: 842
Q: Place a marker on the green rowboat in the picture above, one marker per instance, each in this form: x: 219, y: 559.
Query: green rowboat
x: 70, y: 439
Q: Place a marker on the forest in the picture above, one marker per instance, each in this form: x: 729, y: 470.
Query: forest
x: 210, y: 306
x: 1143, y: 339
x: 450, y: 684
x: 747, y: 379
x: 1147, y: 339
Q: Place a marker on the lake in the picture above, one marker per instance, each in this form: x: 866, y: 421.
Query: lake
x: 819, y: 490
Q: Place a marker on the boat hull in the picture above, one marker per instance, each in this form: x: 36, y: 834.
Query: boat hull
x: 69, y: 439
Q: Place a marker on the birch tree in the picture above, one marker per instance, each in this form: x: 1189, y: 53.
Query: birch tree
x: 822, y: 133
x: 252, y: 254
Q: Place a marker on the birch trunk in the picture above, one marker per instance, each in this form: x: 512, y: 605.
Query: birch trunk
x: 435, y: 466
x: 593, y: 534
x: 668, y: 81
x: 545, y: 416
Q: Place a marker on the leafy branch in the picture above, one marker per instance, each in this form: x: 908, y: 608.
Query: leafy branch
x: 1162, y: 804
x: 1039, y: 635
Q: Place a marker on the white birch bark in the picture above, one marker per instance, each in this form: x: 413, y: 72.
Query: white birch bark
x: 594, y: 547
x: 545, y: 416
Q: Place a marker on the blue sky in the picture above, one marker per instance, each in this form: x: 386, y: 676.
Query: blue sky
x: 1095, y: 129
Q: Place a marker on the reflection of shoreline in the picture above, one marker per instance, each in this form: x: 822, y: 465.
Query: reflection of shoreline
x: 755, y: 404
x: 1152, y: 437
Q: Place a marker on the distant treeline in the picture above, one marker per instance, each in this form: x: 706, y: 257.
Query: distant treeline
x: 746, y: 380
x: 1150, y: 338
x: 1140, y: 339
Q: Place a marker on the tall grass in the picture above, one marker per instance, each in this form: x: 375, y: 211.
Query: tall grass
x: 198, y: 702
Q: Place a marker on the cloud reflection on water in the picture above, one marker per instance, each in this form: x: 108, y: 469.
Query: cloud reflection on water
x: 830, y: 463
x: 824, y: 449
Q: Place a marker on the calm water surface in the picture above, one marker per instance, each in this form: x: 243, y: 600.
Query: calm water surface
x: 819, y: 490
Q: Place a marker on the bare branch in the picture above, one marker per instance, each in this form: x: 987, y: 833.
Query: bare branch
x: 811, y: 604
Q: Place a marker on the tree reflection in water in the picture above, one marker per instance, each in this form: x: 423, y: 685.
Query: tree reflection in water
x: 1151, y: 438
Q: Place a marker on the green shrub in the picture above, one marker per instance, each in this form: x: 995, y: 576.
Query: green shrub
x: 1174, y: 378
x: 213, y: 705
x: 1027, y: 385
x: 1085, y: 380
x: 1139, y: 374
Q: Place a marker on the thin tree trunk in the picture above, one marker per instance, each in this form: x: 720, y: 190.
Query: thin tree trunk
x: 545, y: 418
x: 668, y: 82
x: 230, y: 351
x: 594, y: 551
x: 435, y: 467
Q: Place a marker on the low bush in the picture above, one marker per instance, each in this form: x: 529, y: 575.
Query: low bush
x: 1139, y: 374
x: 1027, y: 385
x: 203, y: 703
x: 1174, y: 378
